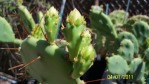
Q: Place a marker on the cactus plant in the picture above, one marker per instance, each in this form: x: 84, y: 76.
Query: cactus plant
x: 66, y: 69
x: 141, y: 31
x: 64, y: 61
x: 127, y: 35
x: 117, y: 65
x: 131, y: 21
x: 126, y: 50
x: 8, y: 29
x: 26, y: 18
x: 105, y: 25
x: 51, y: 24
x: 129, y: 45
x: 137, y: 68
x: 51, y: 55
x: 118, y: 17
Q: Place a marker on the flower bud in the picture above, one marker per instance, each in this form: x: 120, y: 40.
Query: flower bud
x: 52, y: 12
x: 75, y: 18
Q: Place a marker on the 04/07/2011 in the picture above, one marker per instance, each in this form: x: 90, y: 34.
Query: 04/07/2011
x: 120, y: 76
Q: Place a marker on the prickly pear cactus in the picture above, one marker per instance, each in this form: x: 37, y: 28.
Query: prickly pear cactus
x: 64, y: 61
x: 8, y: 33
x: 129, y: 24
x: 137, y: 68
x: 74, y: 33
x: 146, y: 54
x: 105, y: 25
x: 117, y: 65
x: 118, y: 17
x: 51, y: 24
x: 55, y: 64
x: 26, y: 18
x: 126, y: 50
x: 130, y: 43
x: 127, y: 35
x: 141, y: 31
x: 52, y: 68
x: 78, y: 38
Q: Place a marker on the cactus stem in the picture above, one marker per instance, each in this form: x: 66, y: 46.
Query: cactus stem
x: 34, y: 60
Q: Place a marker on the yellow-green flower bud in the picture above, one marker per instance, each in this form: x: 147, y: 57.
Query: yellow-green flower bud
x: 75, y: 18
x: 52, y: 12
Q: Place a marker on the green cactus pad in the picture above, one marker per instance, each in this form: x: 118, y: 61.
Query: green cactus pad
x: 83, y: 62
x: 118, y: 17
x: 117, y: 65
x: 141, y: 31
x: 137, y: 68
x: 41, y: 20
x: 101, y: 22
x: 52, y: 67
x: 130, y: 36
x: 51, y: 24
x: 133, y: 19
x: 126, y: 49
x: 26, y: 18
x: 6, y: 34
x: 73, y: 33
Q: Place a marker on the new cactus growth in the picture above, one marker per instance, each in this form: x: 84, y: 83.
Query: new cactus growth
x: 51, y: 24
x: 26, y: 18
x: 41, y: 20
x: 81, y: 52
x: 83, y: 62
x: 73, y: 33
